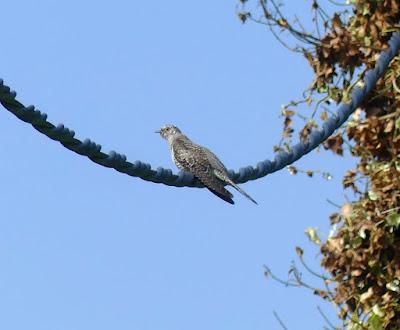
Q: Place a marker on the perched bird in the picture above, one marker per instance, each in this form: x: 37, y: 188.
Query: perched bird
x: 201, y: 162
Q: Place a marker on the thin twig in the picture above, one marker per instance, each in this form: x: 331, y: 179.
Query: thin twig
x: 279, y: 320
x: 333, y: 203
x: 276, y: 278
x: 326, y: 318
x: 311, y: 271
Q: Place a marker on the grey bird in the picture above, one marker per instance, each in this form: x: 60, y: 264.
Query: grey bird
x: 201, y: 162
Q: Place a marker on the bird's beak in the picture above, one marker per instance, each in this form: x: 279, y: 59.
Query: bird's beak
x: 158, y: 131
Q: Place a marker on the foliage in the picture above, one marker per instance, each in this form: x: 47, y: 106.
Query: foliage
x: 363, y: 255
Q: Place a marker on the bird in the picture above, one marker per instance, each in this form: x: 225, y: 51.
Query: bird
x: 201, y: 162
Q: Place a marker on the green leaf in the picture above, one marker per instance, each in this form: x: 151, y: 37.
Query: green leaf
x: 312, y: 235
x: 397, y: 123
x: 366, y: 11
x: 393, y: 220
x: 367, y: 41
x: 356, y: 242
x: 384, y: 167
x: 377, y: 311
x: 354, y: 323
x: 375, y: 323
x: 393, y: 286
x: 372, y: 195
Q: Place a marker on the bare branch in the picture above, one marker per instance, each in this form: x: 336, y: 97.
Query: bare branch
x: 279, y: 320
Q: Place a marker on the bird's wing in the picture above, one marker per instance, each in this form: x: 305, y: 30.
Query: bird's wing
x: 221, y: 172
x: 224, y: 197
x: 193, y: 159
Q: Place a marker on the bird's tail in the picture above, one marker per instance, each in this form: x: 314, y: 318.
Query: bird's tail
x: 234, y: 185
x: 225, y: 178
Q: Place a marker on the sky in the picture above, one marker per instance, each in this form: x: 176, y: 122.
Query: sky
x: 85, y: 247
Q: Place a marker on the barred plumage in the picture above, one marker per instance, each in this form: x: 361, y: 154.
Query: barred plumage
x: 201, y: 162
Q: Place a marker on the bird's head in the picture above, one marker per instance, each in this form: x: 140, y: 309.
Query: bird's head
x: 169, y: 131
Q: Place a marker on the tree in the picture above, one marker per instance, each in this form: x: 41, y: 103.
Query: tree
x: 362, y: 257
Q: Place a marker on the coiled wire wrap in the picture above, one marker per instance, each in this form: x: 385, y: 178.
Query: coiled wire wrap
x: 143, y: 170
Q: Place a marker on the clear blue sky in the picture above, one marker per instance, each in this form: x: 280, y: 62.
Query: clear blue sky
x: 85, y: 247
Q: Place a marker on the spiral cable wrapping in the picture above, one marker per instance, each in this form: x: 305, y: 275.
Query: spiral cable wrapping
x: 143, y: 170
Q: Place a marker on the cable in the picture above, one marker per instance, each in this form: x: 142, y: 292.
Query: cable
x: 144, y: 171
